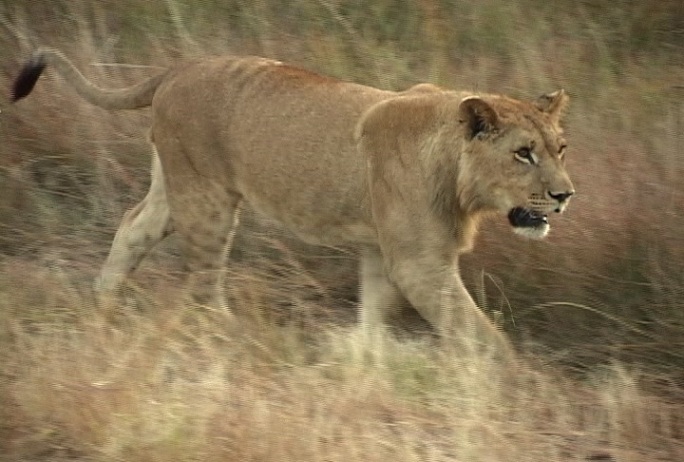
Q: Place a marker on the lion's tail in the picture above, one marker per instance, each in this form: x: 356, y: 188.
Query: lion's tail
x: 134, y: 97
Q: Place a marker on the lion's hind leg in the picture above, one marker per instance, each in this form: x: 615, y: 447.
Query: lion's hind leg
x: 205, y: 216
x: 142, y: 227
x: 206, y: 251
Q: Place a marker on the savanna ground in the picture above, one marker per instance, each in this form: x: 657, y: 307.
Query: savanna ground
x: 596, y: 310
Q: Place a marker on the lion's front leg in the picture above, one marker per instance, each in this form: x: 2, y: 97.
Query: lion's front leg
x: 439, y: 295
x: 381, y: 301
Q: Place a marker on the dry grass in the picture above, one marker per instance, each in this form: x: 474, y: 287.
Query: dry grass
x: 162, y: 381
x: 596, y: 310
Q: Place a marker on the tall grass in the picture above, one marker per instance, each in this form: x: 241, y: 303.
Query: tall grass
x: 170, y: 382
x: 157, y: 380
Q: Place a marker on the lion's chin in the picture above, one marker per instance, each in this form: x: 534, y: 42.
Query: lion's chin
x: 529, y: 223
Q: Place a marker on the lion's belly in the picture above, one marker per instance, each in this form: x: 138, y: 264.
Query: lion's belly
x: 351, y: 233
x: 313, y: 183
x: 332, y: 227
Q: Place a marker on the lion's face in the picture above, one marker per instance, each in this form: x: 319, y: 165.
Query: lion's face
x: 535, y: 182
x: 516, y: 157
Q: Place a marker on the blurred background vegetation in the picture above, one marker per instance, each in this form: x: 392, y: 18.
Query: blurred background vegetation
x: 608, y: 283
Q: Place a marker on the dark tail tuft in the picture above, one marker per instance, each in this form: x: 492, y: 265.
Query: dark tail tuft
x: 28, y: 77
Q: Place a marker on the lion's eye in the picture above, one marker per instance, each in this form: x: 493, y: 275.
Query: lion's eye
x: 561, y: 152
x: 525, y: 155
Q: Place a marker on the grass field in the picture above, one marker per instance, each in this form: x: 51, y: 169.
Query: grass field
x: 595, y: 310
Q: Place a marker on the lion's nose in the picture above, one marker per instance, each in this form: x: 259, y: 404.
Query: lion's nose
x: 561, y: 196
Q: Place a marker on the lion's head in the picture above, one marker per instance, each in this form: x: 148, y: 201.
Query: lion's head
x: 513, y: 160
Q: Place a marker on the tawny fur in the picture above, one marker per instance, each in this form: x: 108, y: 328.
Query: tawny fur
x: 405, y: 177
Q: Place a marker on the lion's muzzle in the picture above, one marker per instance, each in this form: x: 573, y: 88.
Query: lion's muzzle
x: 521, y: 217
x: 532, y: 220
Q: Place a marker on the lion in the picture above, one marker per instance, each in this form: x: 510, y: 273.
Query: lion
x: 402, y: 177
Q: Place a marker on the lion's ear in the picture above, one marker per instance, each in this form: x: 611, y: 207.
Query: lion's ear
x: 478, y: 116
x: 553, y: 104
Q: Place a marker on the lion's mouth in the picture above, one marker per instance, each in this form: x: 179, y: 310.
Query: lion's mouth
x: 520, y: 217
